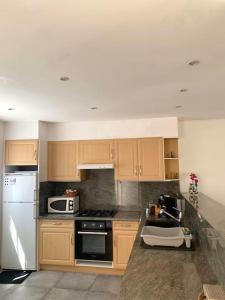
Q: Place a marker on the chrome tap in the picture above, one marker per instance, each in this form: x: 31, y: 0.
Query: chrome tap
x: 163, y: 211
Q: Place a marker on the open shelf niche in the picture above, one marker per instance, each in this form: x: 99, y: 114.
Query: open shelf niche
x: 171, y: 159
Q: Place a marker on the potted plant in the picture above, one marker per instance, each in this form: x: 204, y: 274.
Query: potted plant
x: 193, y: 189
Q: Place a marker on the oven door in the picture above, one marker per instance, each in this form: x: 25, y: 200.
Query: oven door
x: 94, y: 245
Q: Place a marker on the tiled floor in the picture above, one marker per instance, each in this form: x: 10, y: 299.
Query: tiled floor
x: 46, y: 285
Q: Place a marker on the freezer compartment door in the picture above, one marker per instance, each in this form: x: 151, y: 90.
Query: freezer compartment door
x: 19, y: 236
x: 20, y: 188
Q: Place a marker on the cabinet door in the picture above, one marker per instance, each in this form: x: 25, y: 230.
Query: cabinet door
x: 150, y: 156
x: 21, y: 152
x: 126, y: 164
x: 96, y: 151
x: 62, y: 161
x: 56, y: 246
x: 123, y: 244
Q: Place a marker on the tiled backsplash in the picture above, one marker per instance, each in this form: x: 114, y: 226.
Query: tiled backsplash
x: 101, y: 191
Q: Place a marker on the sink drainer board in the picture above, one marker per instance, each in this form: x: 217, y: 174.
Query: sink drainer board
x: 164, y: 238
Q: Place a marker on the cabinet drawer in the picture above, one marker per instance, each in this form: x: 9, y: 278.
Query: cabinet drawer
x: 125, y: 225
x: 57, y: 223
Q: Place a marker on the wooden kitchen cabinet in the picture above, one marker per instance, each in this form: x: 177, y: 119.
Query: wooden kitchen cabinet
x: 124, y: 234
x: 56, y: 242
x: 139, y: 159
x: 62, y: 161
x: 171, y: 159
x: 150, y: 158
x: 21, y: 152
x: 96, y: 151
x: 126, y: 159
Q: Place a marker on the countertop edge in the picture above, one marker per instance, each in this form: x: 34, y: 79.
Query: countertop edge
x: 120, y: 216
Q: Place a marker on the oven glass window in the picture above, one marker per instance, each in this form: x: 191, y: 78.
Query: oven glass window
x: 93, y: 244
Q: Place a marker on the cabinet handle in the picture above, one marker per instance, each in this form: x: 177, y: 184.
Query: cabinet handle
x: 78, y: 172
x: 114, y: 243
x: 111, y: 154
x: 136, y: 170
x: 140, y: 170
x: 35, y: 154
x: 56, y: 223
x: 72, y: 239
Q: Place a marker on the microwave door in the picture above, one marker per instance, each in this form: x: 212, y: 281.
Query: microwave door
x: 59, y: 206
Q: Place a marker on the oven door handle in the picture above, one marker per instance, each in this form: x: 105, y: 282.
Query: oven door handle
x: 91, y: 232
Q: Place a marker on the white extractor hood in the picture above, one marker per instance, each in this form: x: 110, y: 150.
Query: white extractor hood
x: 94, y: 166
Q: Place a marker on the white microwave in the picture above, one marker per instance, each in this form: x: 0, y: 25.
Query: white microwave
x: 63, y: 205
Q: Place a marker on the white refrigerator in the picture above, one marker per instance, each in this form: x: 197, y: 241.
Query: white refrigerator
x: 19, y: 227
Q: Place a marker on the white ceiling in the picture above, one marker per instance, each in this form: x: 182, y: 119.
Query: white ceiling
x: 129, y: 58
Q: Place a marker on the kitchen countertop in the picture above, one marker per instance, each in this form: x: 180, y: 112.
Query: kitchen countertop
x: 160, y: 274
x: 120, y: 216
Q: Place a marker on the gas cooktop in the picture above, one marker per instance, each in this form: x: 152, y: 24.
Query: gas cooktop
x: 97, y: 213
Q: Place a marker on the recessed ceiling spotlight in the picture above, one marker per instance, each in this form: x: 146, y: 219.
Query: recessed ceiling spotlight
x: 11, y: 108
x: 64, y: 78
x: 194, y: 63
x: 183, y: 90
x: 178, y: 106
x: 94, y: 107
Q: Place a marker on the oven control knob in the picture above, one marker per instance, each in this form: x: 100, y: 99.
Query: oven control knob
x: 101, y: 225
x: 84, y: 225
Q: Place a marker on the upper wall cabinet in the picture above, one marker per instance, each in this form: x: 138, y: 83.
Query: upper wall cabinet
x: 139, y: 159
x: 96, y: 151
x: 21, y: 152
x: 62, y: 161
x: 150, y: 158
x: 126, y: 160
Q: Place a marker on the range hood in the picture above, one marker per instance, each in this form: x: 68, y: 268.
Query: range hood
x: 94, y: 166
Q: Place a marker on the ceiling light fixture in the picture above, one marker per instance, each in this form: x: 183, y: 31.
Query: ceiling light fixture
x: 183, y: 90
x: 64, y: 78
x: 193, y: 63
x: 11, y: 108
x: 94, y: 107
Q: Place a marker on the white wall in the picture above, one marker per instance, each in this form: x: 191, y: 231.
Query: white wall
x: 1, y: 174
x: 166, y: 127
x: 43, y: 151
x: 202, y: 150
x: 21, y: 130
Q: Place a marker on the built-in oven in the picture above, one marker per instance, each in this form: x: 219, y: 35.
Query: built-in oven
x: 93, y: 241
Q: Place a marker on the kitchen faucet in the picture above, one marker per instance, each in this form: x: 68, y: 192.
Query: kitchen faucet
x: 163, y: 211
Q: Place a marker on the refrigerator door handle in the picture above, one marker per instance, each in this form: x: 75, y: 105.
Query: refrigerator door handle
x: 35, y: 195
x: 35, y: 205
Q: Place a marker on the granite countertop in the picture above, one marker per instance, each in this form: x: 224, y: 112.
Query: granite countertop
x: 159, y: 274
x: 120, y: 216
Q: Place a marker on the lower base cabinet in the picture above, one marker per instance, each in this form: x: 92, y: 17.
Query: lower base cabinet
x: 56, y: 242
x: 124, y: 234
